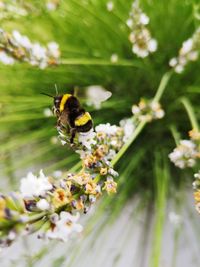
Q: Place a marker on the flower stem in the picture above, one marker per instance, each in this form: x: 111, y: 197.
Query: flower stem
x: 163, y: 83
x: 175, y: 134
x: 129, y: 142
x: 161, y: 88
x: 101, y: 62
x: 190, y: 113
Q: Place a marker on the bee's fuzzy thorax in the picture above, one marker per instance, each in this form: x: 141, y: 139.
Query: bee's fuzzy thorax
x: 64, y: 99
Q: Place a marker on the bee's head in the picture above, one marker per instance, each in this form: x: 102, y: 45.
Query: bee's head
x: 56, y: 106
x: 57, y: 100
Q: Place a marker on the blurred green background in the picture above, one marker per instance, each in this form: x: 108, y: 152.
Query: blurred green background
x: 150, y: 188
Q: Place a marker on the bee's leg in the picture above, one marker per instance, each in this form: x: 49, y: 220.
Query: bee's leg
x: 73, y: 133
x: 58, y: 124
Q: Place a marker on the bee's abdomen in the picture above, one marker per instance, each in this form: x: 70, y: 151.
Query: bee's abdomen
x: 83, y: 123
x: 85, y: 128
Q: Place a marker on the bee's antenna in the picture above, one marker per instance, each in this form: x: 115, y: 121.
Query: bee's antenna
x: 46, y: 95
x: 56, y: 89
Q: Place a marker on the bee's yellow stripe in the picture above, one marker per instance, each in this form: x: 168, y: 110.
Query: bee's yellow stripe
x: 83, y: 119
x: 63, y: 101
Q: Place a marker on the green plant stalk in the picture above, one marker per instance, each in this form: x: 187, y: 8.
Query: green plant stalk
x: 124, y: 148
x: 100, y: 62
x: 161, y: 177
x: 175, y: 134
x: 163, y: 83
x: 161, y: 88
x: 190, y: 113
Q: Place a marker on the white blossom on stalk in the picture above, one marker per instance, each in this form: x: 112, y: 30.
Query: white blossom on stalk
x: 114, y: 58
x: 140, y: 37
x: 184, y: 155
x: 87, y: 139
x: 196, y: 183
x: 18, y: 47
x: 65, y: 226
x: 47, y: 112
x: 188, y: 52
x: 5, y: 59
x: 148, y: 110
x: 128, y: 127
x: 110, y: 6
x: 43, y: 204
x: 107, y: 129
x: 96, y: 94
x: 33, y: 186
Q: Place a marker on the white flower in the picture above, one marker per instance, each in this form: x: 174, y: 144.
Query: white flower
x: 152, y: 45
x: 197, y: 175
x: 51, y: 6
x: 129, y: 127
x: 33, y: 186
x: 188, y: 52
x: 179, y: 69
x: 140, y: 52
x: 43, y: 204
x: 22, y: 40
x: 188, y: 144
x: 114, y: 58
x: 129, y: 23
x: 38, y: 51
x: 140, y: 36
x: 144, y: 19
x: 96, y: 94
x: 65, y: 226
x: 47, y: 112
x: 63, y: 142
x: 159, y: 114
x: 111, y: 154
x: 184, y: 155
x: 135, y: 109
x: 193, y: 55
x: 54, y: 140
x: 5, y: 59
x: 187, y: 46
x: 110, y: 6
x: 57, y: 174
x: 173, y: 62
x: 53, y: 49
x: 107, y: 129
x: 87, y: 139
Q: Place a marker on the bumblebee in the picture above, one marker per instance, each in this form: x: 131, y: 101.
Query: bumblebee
x: 69, y: 113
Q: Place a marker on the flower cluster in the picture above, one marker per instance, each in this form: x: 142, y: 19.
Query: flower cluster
x: 52, y: 205
x: 140, y: 36
x: 20, y: 8
x: 148, y: 110
x: 188, y: 52
x: 187, y: 152
x: 13, y: 9
x: 96, y: 95
x: 16, y: 47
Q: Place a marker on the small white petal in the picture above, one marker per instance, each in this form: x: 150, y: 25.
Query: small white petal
x: 43, y: 204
